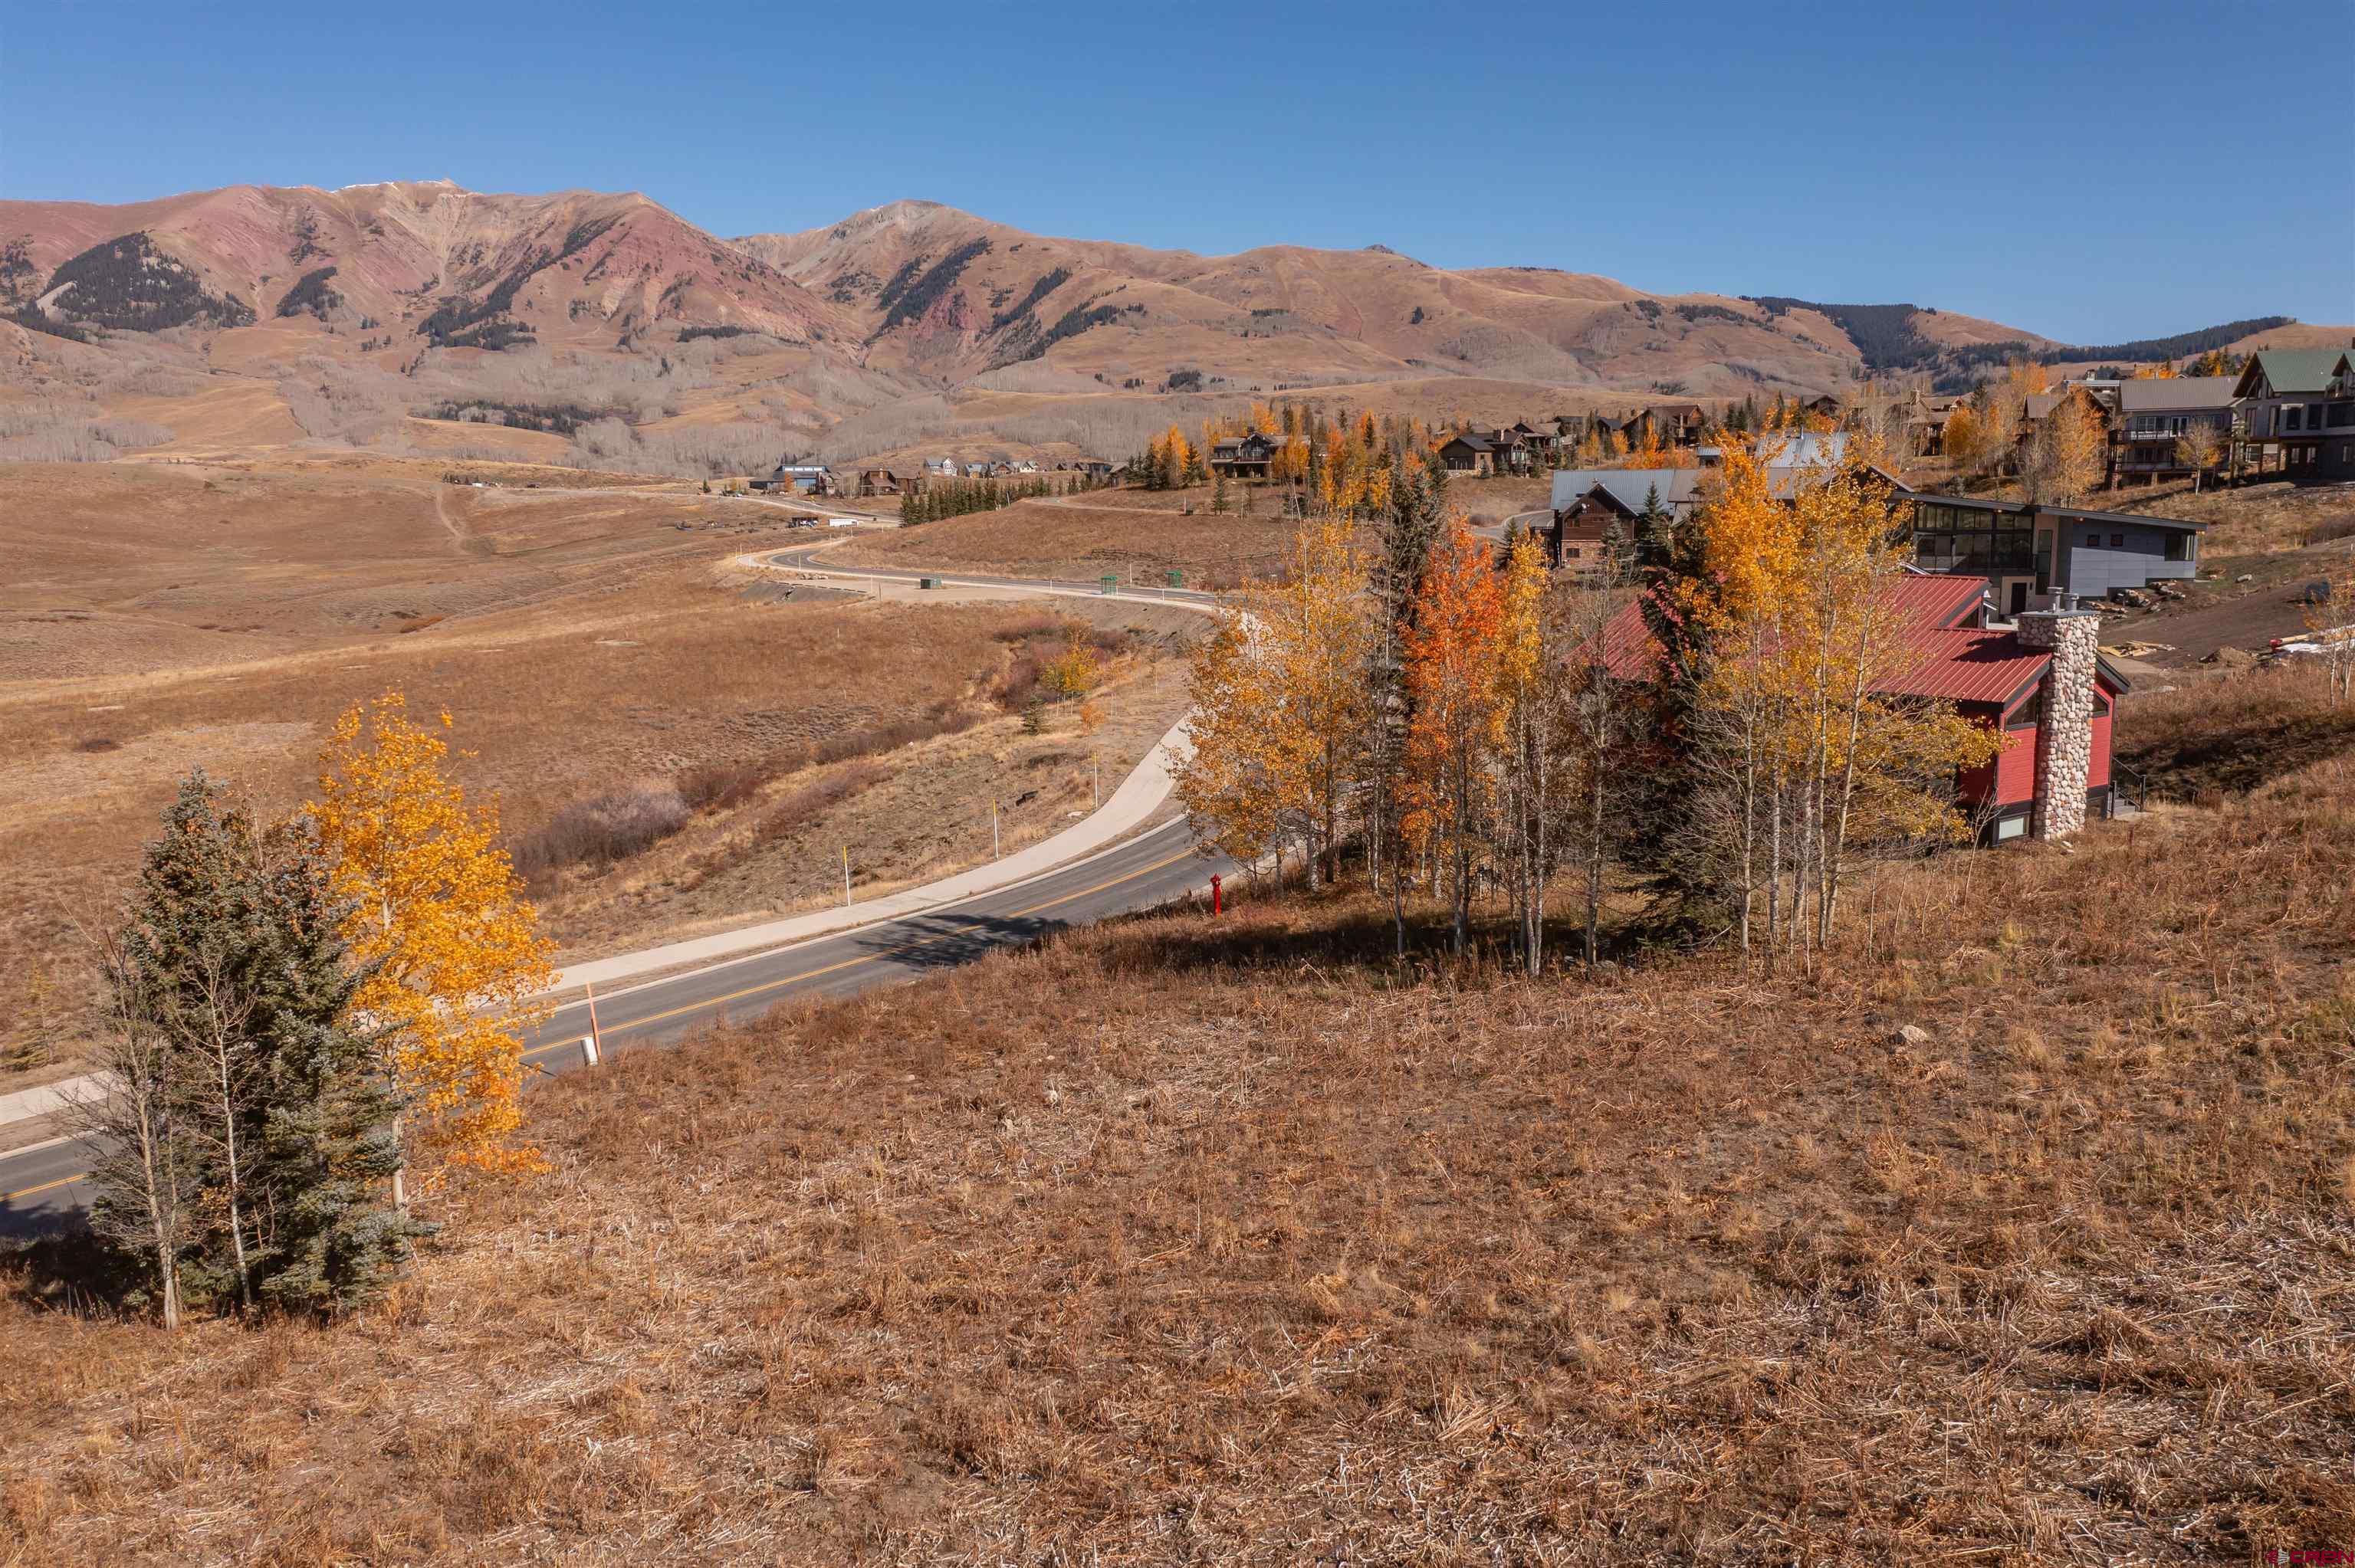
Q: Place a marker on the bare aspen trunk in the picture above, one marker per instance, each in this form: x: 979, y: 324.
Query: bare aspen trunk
x: 236, y: 1183
x: 1749, y: 828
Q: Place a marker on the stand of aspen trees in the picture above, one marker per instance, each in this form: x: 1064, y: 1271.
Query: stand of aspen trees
x: 1700, y: 721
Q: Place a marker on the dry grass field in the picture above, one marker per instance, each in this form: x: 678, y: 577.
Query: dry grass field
x: 1221, y: 1241
x: 557, y: 705
x: 1085, y: 537
x: 128, y: 566
x: 176, y: 617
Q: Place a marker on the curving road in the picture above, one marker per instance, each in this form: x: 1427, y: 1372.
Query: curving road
x: 42, y: 1188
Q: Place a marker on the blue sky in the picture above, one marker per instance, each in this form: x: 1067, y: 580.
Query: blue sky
x: 2091, y: 172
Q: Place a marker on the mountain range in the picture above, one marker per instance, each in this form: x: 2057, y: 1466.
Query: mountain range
x: 425, y: 314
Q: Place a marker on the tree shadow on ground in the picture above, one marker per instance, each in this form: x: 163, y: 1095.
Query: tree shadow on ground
x: 1352, y: 934
x: 50, y: 1260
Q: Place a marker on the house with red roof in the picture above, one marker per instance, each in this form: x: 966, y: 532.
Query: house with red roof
x: 2041, y: 679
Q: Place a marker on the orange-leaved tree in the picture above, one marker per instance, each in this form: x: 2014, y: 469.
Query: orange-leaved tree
x: 437, y: 909
x: 1452, y: 655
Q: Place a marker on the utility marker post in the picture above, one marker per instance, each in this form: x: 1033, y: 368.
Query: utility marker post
x: 845, y: 876
x: 993, y: 828
x: 596, y: 1042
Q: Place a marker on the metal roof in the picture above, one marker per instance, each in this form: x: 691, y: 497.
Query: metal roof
x: 1961, y: 665
x: 2175, y: 394
x: 2289, y: 371
x: 1942, y: 659
x: 1628, y: 486
x: 1796, y: 449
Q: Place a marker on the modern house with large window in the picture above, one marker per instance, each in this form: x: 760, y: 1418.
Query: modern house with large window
x: 2297, y: 415
x: 2024, y: 548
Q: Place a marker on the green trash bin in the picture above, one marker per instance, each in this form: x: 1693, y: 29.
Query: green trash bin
x: 928, y: 582
x: 1110, y: 582
x: 1177, y: 580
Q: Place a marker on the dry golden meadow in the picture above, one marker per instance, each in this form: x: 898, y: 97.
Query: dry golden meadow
x: 1196, y: 1240
x: 581, y: 640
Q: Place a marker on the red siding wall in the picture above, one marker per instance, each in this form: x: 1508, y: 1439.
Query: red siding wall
x: 2097, y: 773
x: 2015, y: 771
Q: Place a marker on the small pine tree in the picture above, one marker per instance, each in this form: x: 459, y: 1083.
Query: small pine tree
x: 1219, y: 494
x: 1655, y: 529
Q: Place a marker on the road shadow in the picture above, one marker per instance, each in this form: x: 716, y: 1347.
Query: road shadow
x: 925, y: 943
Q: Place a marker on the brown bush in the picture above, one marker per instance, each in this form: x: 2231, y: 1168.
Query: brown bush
x: 599, y: 831
x: 786, y: 818
x: 724, y: 786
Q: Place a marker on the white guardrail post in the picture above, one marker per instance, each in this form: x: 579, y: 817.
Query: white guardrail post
x: 589, y: 1053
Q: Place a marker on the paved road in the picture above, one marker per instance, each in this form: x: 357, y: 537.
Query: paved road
x: 41, y: 1190
x: 809, y: 557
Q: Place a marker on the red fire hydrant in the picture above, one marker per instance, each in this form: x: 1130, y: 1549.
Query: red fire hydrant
x: 1214, y: 892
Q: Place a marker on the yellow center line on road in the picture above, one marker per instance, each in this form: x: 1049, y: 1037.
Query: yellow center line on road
x: 768, y: 986
x: 46, y: 1186
x: 887, y: 953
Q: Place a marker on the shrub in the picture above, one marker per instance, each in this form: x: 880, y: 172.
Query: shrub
x: 724, y: 786
x: 599, y: 830
x: 790, y: 814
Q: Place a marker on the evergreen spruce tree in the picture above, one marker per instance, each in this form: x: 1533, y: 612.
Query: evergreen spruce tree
x: 195, y: 962
x: 330, y: 1136
x: 1409, y: 531
x: 1655, y: 530
x: 231, y: 953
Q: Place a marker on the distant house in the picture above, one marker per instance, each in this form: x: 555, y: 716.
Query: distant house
x: 2022, y: 549
x: 1542, y: 440
x: 2099, y: 399
x: 1510, y: 450
x: 1588, y: 503
x: 2155, y: 416
x: 1826, y: 406
x: 2054, y: 713
x: 1244, y: 457
x: 1468, y: 454
x: 1925, y: 423
x: 879, y: 481
x: 802, y: 478
x: 2297, y: 415
x: 1671, y: 424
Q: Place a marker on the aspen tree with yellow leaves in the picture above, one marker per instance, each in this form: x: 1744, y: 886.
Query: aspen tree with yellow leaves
x: 1530, y: 694
x: 2069, y: 454
x: 1451, y: 648
x: 438, y: 911
x: 1802, y: 758
x: 1281, y: 706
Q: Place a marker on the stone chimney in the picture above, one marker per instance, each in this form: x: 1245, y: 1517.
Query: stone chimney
x: 2064, y: 729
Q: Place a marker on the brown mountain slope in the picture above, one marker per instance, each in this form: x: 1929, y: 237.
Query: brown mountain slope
x: 423, y: 259
x: 955, y: 297
x: 602, y: 329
